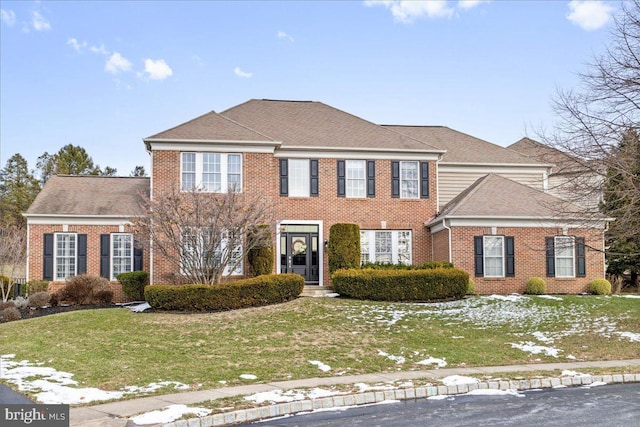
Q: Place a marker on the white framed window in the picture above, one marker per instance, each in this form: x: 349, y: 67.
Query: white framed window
x: 299, y: 178
x: 493, y: 253
x: 386, y: 246
x: 121, y: 254
x: 409, y: 180
x: 211, y: 172
x: 196, y: 251
x: 66, y: 253
x: 356, y: 178
x: 565, y: 256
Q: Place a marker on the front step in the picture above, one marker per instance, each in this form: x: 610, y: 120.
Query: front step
x: 315, y: 291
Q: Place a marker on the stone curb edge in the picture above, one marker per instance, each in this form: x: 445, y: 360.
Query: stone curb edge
x: 290, y: 408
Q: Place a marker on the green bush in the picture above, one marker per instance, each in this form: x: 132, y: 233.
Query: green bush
x: 600, y: 287
x: 34, y: 286
x: 429, y: 265
x: 398, y: 285
x: 471, y: 287
x: 536, y: 286
x: 254, y: 292
x: 84, y: 289
x: 133, y: 284
x: 344, y: 246
x: 260, y: 257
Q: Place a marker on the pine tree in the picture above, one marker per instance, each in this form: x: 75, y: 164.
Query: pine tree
x: 18, y: 189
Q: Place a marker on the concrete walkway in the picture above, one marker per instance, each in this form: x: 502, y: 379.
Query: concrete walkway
x: 116, y: 414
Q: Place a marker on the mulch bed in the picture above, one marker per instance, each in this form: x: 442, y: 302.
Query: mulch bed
x: 28, y: 313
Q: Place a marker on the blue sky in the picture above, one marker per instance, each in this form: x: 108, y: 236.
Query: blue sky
x: 104, y: 75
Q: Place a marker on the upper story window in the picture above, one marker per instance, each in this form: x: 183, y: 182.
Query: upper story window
x: 356, y: 178
x: 409, y: 179
x: 211, y: 172
x: 66, y: 252
x: 299, y: 178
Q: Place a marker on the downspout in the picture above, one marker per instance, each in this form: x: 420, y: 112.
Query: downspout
x: 444, y: 224
x: 27, y: 266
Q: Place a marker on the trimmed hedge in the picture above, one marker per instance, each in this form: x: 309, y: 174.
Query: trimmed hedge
x: 254, y: 292
x: 429, y: 265
x: 133, y: 284
x: 536, y: 286
x: 344, y: 246
x: 401, y: 285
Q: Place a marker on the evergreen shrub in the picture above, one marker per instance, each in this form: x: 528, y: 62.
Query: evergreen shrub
x: 344, y: 246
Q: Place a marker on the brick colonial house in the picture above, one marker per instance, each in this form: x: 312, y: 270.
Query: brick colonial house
x: 418, y: 193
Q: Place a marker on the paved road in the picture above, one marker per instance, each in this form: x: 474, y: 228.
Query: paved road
x: 9, y: 396
x: 612, y: 405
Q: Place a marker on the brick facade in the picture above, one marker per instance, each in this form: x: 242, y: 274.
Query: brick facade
x: 530, y: 257
x: 261, y: 177
x: 93, y: 232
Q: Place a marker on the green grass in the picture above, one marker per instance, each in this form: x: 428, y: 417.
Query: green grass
x: 113, y: 348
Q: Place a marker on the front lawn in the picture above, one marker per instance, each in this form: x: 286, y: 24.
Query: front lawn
x: 114, y: 348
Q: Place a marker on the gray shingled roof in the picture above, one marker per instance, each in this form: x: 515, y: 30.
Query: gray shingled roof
x: 563, y: 162
x: 91, y: 195
x: 462, y: 148
x: 494, y: 195
x: 210, y: 126
x: 315, y: 125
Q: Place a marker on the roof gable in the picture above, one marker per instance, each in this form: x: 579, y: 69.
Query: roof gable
x: 563, y: 162
x: 91, y: 195
x: 462, y: 148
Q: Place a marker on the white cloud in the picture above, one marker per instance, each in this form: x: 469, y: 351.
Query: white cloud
x: 470, y: 4
x: 238, y: 72
x: 39, y: 22
x: 589, y: 15
x: 8, y: 17
x: 156, y: 69
x: 78, y: 46
x: 406, y: 11
x: 99, y: 49
x: 117, y: 63
x: 285, y: 36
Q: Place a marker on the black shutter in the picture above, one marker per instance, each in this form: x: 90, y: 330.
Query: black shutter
x: 284, y: 179
x: 105, y: 255
x: 395, y: 179
x: 478, y: 248
x: 47, y: 268
x: 371, y: 178
x: 314, y: 178
x: 341, y: 179
x: 424, y: 180
x: 581, y: 265
x: 510, y: 257
x: 551, y: 257
x: 137, y: 256
x: 82, y: 254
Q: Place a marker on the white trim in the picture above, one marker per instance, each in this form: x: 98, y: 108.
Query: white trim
x: 78, y: 220
x: 362, y: 163
x: 438, y: 187
x: 573, y: 257
x: 306, y: 178
x: 418, y: 179
x: 490, y: 167
x: 224, y: 171
x: 111, y: 235
x: 319, y: 223
x: 522, y: 222
x: 28, y: 249
x: 352, y: 154
x: 215, y: 146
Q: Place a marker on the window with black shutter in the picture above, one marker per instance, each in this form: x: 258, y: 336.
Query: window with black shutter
x: 314, y: 172
x: 371, y: 178
x: 424, y: 180
x: 395, y: 179
x: 341, y: 179
x: 284, y: 179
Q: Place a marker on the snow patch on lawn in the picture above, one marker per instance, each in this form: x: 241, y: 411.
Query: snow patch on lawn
x: 168, y: 414
x: 248, y: 377
x: 633, y: 337
x: 459, y: 380
x: 628, y: 296
x: 320, y: 365
x: 51, y: 386
x: 398, y: 359
x: 540, y: 336
x: 569, y: 373
x: 512, y: 297
x: 279, y: 396
x: 441, y: 363
x: 549, y: 297
x: 533, y: 348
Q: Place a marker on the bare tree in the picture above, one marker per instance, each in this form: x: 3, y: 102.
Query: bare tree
x: 13, y: 254
x: 204, y: 236
x: 599, y: 122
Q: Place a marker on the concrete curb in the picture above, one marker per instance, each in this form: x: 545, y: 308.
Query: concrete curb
x: 338, y: 401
